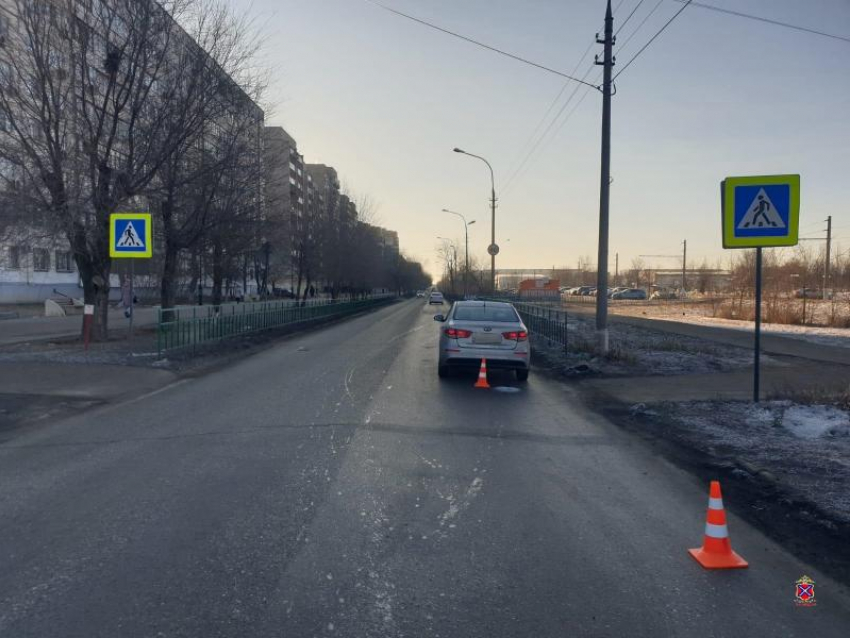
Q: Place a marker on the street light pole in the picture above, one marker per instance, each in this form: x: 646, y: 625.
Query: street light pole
x: 466, y: 226
x: 493, y: 249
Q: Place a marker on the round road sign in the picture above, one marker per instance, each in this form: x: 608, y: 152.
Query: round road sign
x: 493, y: 249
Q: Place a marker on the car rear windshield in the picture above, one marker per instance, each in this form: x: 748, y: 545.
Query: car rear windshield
x: 496, y: 314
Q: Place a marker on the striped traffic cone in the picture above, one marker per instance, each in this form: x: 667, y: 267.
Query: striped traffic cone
x: 482, y: 376
x: 716, y: 551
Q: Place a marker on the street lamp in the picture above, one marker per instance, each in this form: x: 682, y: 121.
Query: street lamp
x: 493, y: 249
x: 466, y: 226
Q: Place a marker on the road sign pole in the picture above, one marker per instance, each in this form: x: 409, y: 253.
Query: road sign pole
x: 826, y: 261
x: 132, y: 297
x: 88, y: 316
x: 757, y: 360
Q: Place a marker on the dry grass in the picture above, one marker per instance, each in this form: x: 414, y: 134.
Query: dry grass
x: 815, y: 396
x: 781, y: 310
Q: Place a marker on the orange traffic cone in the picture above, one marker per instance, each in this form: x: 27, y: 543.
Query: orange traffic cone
x: 716, y: 551
x: 482, y: 376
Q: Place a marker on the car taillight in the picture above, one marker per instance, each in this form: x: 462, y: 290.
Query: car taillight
x: 520, y: 335
x: 454, y: 333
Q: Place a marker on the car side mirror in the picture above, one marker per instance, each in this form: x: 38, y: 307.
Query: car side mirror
x: 439, y: 318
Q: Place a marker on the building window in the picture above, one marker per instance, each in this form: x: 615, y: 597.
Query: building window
x: 41, y: 259
x: 15, y: 257
x: 64, y: 263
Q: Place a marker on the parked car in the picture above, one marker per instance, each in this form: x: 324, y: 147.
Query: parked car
x: 476, y: 330
x: 282, y: 293
x: 664, y: 294
x: 611, y: 291
x: 630, y: 293
x: 436, y: 297
x: 811, y: 293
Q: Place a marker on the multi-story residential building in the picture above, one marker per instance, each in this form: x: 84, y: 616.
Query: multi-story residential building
x: 326, y: 183
x: 288, y: 194
x: 389, y: 245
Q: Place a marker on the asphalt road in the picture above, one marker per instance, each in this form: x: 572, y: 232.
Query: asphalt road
x: 332, y: 486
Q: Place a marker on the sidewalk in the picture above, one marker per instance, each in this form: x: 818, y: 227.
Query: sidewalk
x: 42, y: 392
x: 776, y: 378
x: 28, y: 329
x: 95, y: 382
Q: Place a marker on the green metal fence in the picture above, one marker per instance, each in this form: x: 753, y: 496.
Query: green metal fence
x: 190, y: 326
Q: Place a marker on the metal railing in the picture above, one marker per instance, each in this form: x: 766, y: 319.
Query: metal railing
x: 545, y: 321
x: 549, y: 322
x: 191, y: 326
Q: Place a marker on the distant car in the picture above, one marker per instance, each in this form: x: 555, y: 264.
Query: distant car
x: 811, y: 293
x: 282, y: 293
x: 475, y: 330
x: 612, y: 291
x: 420, y: 293
x: 630, y: 293
x: 664, y: 294
x: 436, y: 297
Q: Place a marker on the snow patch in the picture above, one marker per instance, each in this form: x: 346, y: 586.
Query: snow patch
x: 816, y: 421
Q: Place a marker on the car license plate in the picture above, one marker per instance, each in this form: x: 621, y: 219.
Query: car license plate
x: 486, y: 339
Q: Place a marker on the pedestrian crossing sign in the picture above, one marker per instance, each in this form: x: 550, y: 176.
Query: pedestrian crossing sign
x: 760, y: 211
x: 130, y: 235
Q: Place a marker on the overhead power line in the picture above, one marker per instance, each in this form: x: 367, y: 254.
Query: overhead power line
x: 530, y: 143
x: 545, y: 134
x: 638, y: 27
x: 518, y: 171
x: 629, y: 17
x: 787, y: 25
x: 652, y: 39
x: 477, y: 43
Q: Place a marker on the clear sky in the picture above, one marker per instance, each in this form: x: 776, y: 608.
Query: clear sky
x: 384, y: 100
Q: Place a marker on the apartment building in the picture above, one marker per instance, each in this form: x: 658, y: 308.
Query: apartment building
x: 288, y: 195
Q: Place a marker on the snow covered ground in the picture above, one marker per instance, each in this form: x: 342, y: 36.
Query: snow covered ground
x: 839, y: 337
x: 806, y: 447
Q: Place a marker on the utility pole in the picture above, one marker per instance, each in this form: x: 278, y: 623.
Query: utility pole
x: 617, y: 268
x: 684, y: 263
x: 604, y: 185
x: 828, y: 251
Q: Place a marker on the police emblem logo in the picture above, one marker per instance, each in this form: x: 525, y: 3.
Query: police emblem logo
x: 805, y: 594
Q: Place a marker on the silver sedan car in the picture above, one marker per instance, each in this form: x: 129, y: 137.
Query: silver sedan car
x: 475, y: 330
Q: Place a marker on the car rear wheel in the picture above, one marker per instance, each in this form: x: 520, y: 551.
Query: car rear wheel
x: 522, y: 375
